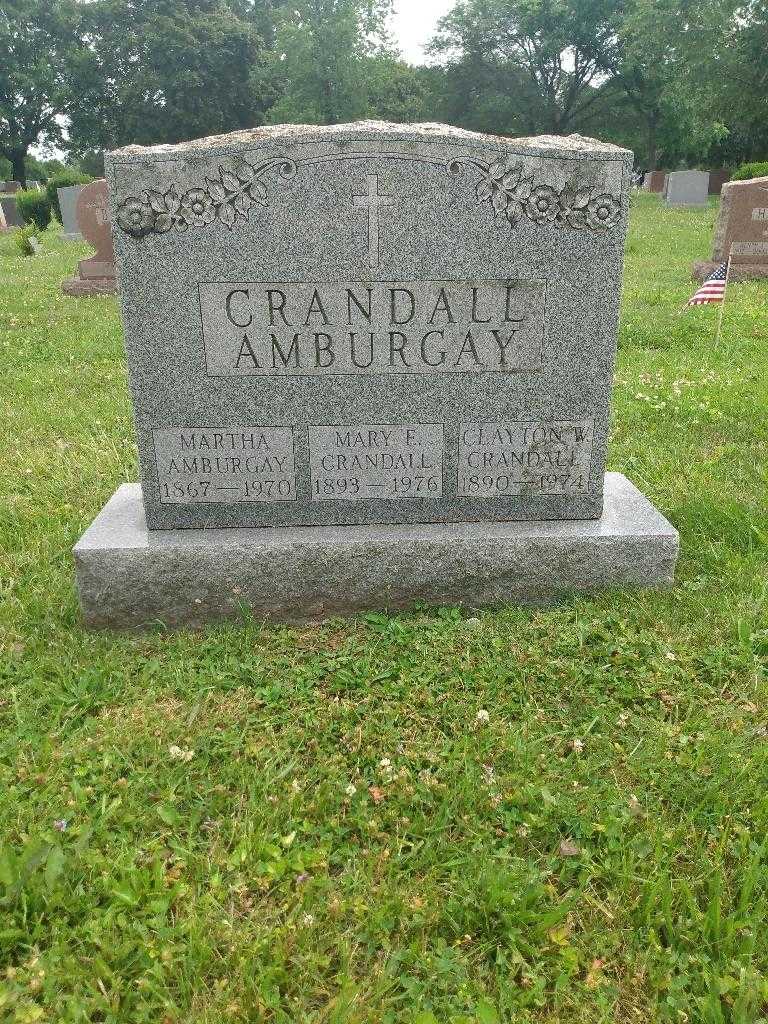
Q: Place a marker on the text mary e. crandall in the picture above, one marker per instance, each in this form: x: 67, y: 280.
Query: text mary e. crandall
x: 400, y: 327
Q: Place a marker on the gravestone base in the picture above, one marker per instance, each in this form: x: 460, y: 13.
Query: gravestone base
x: 89, y: 286
x: 738, y: 272
x: 130, y: 578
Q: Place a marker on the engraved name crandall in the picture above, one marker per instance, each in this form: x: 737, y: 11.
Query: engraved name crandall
x: 400, y: 327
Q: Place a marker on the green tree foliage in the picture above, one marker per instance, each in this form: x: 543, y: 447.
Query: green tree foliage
x: 164, y: 71
x: 35, y: 208
x: 397, y: 91
x: 320, y: 59
x: 91, y: 162
x: 38, y: 40
x: 644, y: 73
x: 757, y: 169
x: 740, y: 96
x: 653, y: 56
x: 678, y: 81
x: 534, y: 64
x: 36, y: 169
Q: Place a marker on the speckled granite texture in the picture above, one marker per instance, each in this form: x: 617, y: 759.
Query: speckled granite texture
x: 245, y: 262
x: 686, y: 188
x: 68, y: 205
x: 741, y: 231
x: 130, y: 577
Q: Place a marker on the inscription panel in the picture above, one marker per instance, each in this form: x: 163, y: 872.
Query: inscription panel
x: 749, y: 249
x: 524, y: 457
x: 225, y: 464
x: 374, y: 460
x: 401, y: 327
x: 760, y: 213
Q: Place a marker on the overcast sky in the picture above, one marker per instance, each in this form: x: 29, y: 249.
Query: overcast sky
x: 414, y: 24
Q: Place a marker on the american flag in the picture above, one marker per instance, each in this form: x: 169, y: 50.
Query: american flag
x: 713, y: 289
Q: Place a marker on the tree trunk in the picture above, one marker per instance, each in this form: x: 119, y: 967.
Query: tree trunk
x: 17, y: 157
x: 653, y: 149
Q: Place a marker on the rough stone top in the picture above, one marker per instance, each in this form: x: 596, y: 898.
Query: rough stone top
x: 555, y: 145
x: 746, y: 182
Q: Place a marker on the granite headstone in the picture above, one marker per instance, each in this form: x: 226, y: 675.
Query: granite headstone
x: 365, y: 338
x: 68, y: 205
x: 13, y: 218
x: 717, y: 179
x: 656, y: 181
x: 687, y: 188
x: 96, y: 275
x: 741, y: 232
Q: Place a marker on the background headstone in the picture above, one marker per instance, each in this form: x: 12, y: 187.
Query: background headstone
x: 13, y: 218
x: 11, y: 186
x: 687, y: 188
x: 656, y: 181
x: 363, y: 335
x: 96, y: 275
x: 717, y: 179
x: 741, y: 230
x: 68, y: 203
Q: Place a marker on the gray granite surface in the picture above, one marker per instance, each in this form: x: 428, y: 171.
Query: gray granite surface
x: 358, y: 290
x: 68, y: 203
x: 129, y: 577
x: 687, y: 188
x: 11, y: 215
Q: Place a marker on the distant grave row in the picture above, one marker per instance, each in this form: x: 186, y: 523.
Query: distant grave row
x: 686, y: 188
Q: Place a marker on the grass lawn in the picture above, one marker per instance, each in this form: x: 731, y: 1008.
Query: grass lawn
x: 317, y: 825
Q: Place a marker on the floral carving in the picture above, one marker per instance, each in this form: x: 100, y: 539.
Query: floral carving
x: 512, y: 194
x: 228, y: 198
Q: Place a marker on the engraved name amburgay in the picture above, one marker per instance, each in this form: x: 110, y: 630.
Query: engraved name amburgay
x: 404, y: 327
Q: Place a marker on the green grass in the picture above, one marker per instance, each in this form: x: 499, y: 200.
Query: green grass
x: 347, y: 842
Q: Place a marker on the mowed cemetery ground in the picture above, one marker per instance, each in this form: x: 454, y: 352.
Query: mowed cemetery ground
x: 444, y: 816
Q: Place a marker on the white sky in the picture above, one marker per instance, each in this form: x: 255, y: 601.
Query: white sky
x: 414, y: 24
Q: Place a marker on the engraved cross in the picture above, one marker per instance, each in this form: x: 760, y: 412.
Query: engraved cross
x: 373, y: 201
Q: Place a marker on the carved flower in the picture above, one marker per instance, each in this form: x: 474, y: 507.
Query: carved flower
x: 573, y: 205
x: 603, y: 212
x: 506, y: 189
x: 136, y: 216
x: 542, y: 206
x: 197, y: 207
x: 167, y: 208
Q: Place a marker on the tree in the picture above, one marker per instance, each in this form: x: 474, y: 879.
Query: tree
x: 37, y: 41
x: 165, y: 71
x: 320, y: 59
x: 397, y: 91
x: 739, y: 96
x: 655, y: 47
x: 542, y: 58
